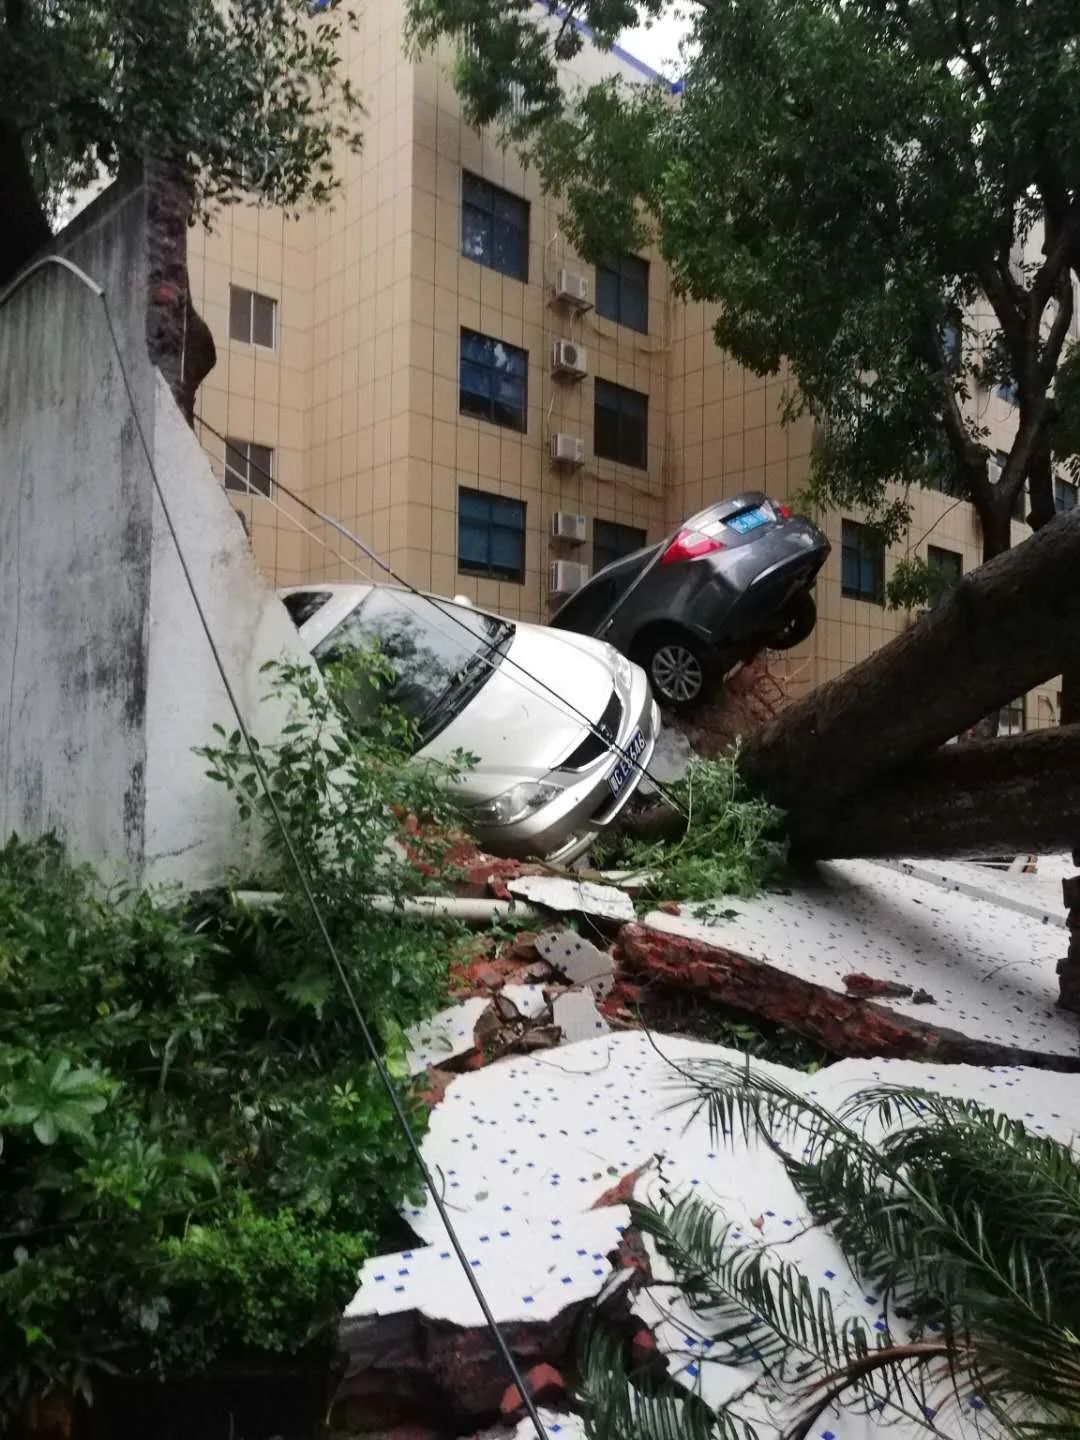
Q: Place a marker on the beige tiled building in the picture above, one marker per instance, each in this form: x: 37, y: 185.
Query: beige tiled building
x: 391, y: 361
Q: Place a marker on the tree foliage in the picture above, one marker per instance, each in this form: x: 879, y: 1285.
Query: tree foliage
x: 251, y: 97
x: 882, y: 196
x: 959, y: 1222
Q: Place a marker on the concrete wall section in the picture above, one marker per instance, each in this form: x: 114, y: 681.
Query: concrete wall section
x: 75, y: 547
x: 192, y: 836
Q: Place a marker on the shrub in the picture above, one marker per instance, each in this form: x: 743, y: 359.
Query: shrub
x: 731, y: 843
x: 196, y: 1150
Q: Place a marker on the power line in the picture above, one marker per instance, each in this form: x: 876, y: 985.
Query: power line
x: 662, y: 789
x: 293, y: 854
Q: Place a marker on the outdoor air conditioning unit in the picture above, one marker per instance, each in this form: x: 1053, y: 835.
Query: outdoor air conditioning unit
x: 566, y: 576
x: 569, y: 358
x: 572, y: 289
x: 567, y: 449
x: 565, y: 526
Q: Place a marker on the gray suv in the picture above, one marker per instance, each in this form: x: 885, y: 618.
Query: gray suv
x: 734, y: 579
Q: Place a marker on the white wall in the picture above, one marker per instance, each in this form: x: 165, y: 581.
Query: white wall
x: 106, y: 679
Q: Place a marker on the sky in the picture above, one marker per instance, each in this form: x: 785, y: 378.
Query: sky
x: 658, y: 44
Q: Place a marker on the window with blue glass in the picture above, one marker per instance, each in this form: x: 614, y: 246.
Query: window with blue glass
x: 862, y: 563
x: 1007, y: 391
x: 494, y: 227
x: 945, y: 568
x: 491, y: 535
x: 494, y: 380
x: 1065, y: 496
x: 622, y: 291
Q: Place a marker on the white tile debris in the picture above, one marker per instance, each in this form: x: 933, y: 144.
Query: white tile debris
x: 582, y: 962
x: 584, y: 897
x: 527, y: 1000
x: 525, y: 1149
x: 990, y: 969
x: 576, y: 1015
x: 445, y: 1036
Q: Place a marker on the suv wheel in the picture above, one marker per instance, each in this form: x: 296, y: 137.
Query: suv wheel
x: 796, y: 624
x: 678, y: 668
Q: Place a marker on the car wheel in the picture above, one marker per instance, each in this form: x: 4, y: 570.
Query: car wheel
x: 678, y: 668
x: 796, y: 624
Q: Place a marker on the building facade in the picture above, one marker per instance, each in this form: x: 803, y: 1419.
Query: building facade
x: 417, y: 362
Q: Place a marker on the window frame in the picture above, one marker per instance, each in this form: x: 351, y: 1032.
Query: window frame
x: 933, y: 565
x: 252, y: 297
x: 617, y: 552
x: 629, y: 273
x: 475, y: 205
x: 1061, y: 487
x: 243, y: 448
x: 490, y: 417
x: 620, y: 393
x: 876, y: 596
x: 1005, y: 726
x: 492, y: 569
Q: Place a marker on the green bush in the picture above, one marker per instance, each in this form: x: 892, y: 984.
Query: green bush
x: 731, y: 844
x: 196, y: 1149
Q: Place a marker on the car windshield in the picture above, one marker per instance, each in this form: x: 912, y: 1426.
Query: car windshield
x: 440, y: 653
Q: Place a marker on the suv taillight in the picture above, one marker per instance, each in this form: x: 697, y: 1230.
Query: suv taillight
x: 783, y: 512
x: 688, y: 545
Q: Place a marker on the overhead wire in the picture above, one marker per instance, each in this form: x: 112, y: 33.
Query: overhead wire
x: 295, y: 860
x: 568, y: 705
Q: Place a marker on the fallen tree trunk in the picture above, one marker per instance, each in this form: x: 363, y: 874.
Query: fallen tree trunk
x: 1002, y: 630
x: 1008, y: 795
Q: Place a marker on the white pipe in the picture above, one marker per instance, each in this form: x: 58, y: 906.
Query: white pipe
x: 431, y: 907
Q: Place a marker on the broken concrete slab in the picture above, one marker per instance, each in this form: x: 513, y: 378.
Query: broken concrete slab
x: 450, y: 1033
x: 582, y: 962
x: 576, y: 1015
x: 584, y: 897
x: 530, y: 1145
x: 528, y: 1000
x: 784, y: 957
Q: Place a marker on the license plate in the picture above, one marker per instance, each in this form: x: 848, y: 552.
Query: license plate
x: 634, y: 749
x: 749, y: 520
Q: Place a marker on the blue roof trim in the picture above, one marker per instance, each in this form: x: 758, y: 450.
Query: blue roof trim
x: 616, y: 50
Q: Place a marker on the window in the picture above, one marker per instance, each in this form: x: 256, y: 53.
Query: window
x: 494, y: 380
x: 952, y: 346
x: 612, y: 542
x: 1065, y: 496
x: 252, y: 317
x: 249, y: 468
x: 1012, y: 719
x: 946, y: 568
x: 303, y: 604
x: 622, y: 291
x: 862, y: 574
x: 494, y: 227
x: 491, y: 535
x: 621, y: 424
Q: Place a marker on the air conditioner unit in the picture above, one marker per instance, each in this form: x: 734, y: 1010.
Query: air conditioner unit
x: 572, y: 289
x: 569, y: 358
x: 566, y: 576
x: 567, y: 449
x: 566, y: 526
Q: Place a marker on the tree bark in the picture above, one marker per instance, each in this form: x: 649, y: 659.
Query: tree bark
x: 984, y: 796
x: 1004, y: 629
x: 24, y: 229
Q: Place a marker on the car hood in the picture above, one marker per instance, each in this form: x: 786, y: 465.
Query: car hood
x: 514, y: 725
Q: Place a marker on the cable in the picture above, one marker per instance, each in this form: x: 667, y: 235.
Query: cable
x: 662, y: 789
x: 297, y: 863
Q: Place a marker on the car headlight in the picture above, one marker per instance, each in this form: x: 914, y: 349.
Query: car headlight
x: 514, y: 804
